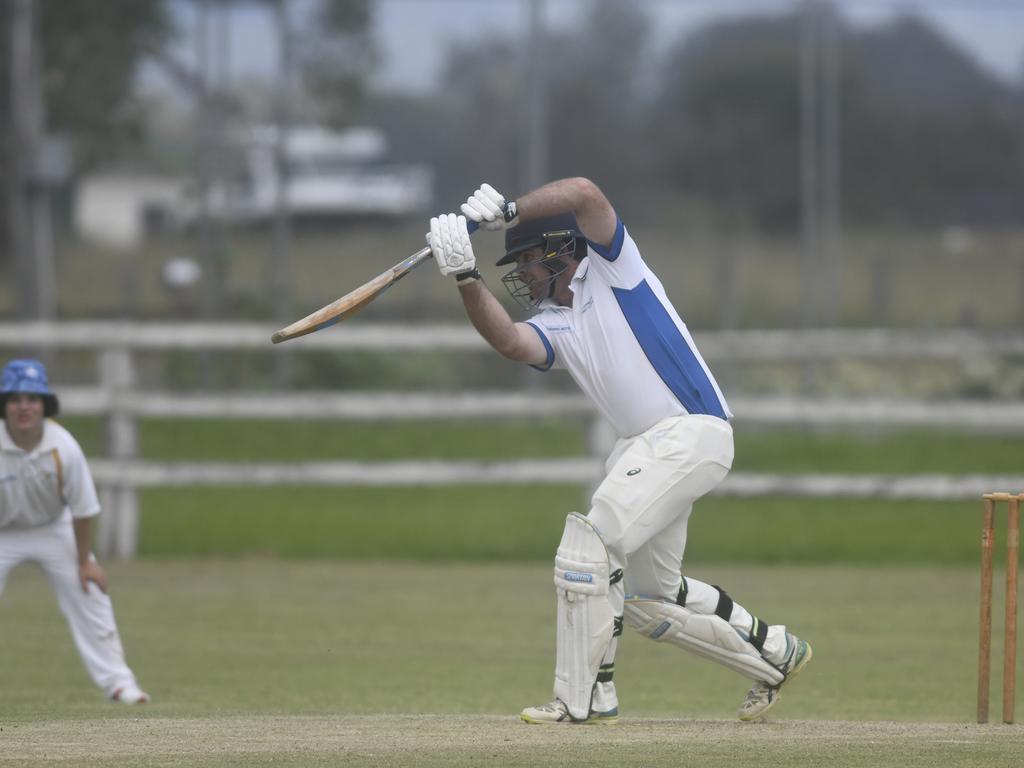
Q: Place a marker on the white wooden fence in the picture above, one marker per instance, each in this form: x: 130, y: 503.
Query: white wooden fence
x: 117, y: 398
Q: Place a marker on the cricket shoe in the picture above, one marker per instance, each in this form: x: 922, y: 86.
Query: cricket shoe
x: 130, y: 694
x: 557, y: 713
x: 763, y: 696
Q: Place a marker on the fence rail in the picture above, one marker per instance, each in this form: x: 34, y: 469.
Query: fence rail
x: 770, y: 345
x: 118, y: 399
x: 581, y: 471
x: 965, y: 415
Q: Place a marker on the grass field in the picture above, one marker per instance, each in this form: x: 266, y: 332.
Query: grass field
x: 408, y: 626
x: 296, y: 663
x: 516, y: 523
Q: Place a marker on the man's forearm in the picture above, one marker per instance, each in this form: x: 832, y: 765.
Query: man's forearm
x: 490, y: 319
x: 594, y: 214
x: 83, y: 538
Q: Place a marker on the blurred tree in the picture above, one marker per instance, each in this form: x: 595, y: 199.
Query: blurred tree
x: 598, y: 104
x: 929, y: 137
x: 727, y: 120
x: 337, y: 56
x: 926, y: 136
x: 89, y: 53
x: 595, y: 109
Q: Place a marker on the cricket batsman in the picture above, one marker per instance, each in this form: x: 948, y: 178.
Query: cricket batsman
x: 603, y: 316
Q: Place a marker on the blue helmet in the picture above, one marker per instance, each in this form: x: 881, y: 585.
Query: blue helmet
x: 25, y: 376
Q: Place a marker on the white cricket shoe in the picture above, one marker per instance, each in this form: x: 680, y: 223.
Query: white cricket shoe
x: 557, y: 712
x: 763, y: 696
x: 130, y: 694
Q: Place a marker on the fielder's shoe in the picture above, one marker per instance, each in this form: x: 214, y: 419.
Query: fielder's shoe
x: 557, y: 712
x: 763, y: 696
x: 130, y: 694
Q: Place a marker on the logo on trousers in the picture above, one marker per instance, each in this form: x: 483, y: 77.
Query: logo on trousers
x: 634, y: 471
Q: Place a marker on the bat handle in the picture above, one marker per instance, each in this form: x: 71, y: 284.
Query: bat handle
x: 471, y: 226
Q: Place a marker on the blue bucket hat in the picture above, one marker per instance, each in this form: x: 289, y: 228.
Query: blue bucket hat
x: 25, y: 376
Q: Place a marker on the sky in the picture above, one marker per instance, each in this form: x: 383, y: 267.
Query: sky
x: 413, y: 35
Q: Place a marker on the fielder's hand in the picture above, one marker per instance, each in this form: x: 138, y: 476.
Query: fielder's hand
x: 487, y: 207
x: 91, y: 571
x: 449, y: 242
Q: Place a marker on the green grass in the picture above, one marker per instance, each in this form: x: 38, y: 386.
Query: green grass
x: 521, y: 522
x: 756, y: 450
x: 322, y: 663
x: 265, y: 636
x: 515, y: 523
x: 264, y: 662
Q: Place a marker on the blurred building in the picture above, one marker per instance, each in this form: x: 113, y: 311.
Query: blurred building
x: 326, y: 175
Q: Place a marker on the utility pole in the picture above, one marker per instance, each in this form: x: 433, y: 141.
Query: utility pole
x: 821, y: 248
x: 280, y: 271
x: 36, y: 164
x: 810, y: 178
x: 831, y: 236
x: 536, y: 99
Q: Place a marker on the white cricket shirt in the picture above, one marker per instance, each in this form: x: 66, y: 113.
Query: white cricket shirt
x: 37, y: 486
x: 625, y: 345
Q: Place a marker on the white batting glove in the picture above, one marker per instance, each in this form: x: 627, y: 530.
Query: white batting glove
x: 449, y: 242
x: 487, y: 207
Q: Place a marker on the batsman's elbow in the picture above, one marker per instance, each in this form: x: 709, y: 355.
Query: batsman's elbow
x: 525, y: 344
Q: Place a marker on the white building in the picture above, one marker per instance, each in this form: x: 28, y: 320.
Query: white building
x: 330, y: 175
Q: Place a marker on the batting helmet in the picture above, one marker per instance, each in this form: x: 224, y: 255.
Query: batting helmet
x: 530, y: 234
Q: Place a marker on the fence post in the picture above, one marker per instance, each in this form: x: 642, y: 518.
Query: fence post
x: 119, y: 533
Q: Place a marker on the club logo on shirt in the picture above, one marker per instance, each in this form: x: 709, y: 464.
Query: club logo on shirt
x: 634, y: 471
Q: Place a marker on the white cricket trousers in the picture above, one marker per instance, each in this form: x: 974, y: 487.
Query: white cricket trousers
x: 642, y: 509
x: 90, y: 615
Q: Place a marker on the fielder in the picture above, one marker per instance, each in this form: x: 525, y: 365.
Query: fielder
x: 603, y: 316
x: 47, y: 503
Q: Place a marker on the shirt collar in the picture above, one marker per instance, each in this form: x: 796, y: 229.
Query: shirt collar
x: 48, y: 441
x: 580, y: 275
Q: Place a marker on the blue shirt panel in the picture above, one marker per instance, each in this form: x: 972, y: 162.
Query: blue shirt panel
x: 669, y: 353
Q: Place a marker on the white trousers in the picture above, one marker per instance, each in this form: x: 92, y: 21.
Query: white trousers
x: 642, y: 509
x: 89, y: 615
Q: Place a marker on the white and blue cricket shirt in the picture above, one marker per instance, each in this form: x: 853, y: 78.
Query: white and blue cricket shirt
x: 624, y: 344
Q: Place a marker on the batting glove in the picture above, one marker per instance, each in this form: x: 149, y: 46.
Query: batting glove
x: 487, y: 207
x: 449, y: 242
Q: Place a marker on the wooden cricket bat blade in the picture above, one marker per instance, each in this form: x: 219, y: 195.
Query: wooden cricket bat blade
x: 337, y: 310
x: 355, y: 300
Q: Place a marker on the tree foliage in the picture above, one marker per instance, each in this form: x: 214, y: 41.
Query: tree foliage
x: 338, y: 55
x: 91, y: 51
x: 926, y: 136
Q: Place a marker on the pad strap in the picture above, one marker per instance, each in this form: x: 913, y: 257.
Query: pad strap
x: 684, y: 590
x: 724, y: 608
x: 758, y: 633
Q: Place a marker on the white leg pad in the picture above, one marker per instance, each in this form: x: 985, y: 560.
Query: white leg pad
x: 585, y: 617
x: 706, y: 635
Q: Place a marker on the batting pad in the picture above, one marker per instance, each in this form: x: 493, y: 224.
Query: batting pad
x: 705, y: 635
x: 585, y: 616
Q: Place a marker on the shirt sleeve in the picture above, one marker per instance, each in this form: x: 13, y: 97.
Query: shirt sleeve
x: 621, y: 262
x: 78, y: 487
x: 546, y: 366
x: 553, y: 327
